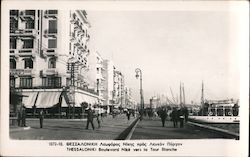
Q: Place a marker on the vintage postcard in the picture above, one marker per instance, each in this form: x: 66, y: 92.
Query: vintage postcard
x: 124, y: 78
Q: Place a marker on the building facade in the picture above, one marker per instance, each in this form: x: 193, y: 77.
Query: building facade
x: 119, y: 91
x: 100, y: 77
x: 49, y: 58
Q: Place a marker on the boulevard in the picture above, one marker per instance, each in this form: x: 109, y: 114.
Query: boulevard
x: 111, y: 128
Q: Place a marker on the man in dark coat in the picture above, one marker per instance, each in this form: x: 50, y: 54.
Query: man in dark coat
x: 41, y: 117
x: 181, y: 117
x: 128, y: 115
x: 163, y: 115
x: 174, y: 116
x: 23, y: 117
x: 90, y: 118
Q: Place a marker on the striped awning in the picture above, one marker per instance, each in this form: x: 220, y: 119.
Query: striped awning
x: 64, y: 103
x: 80, y: 98
x: 47, y: 99
x: 29, y: 99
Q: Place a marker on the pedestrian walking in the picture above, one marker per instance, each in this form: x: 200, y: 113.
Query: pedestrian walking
x: 181, y: 117
x: 23, y: 117
x: 186, y: 114
x: 99, y: 118
x: 163, y: 115
x: 90, y: 117
x: 41, y: 117
x: 174, y: 117
x: 128, y: 115
x: 19, y: 117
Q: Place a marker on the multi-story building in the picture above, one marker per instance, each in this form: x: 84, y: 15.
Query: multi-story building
x: 49, y: 58
x: 108, y: 84
x: 100, y: 80
x: 118, y: 92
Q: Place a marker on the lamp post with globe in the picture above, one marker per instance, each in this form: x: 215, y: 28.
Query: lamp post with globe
x: 139, y: 75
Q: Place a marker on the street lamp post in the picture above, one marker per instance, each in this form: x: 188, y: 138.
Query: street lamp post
x: 139, y: 74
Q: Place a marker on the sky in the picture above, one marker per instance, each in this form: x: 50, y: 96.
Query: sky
x: 171, y: 47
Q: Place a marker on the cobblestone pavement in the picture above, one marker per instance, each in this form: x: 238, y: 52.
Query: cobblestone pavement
x: 66, y: 129
x: 152, y: 129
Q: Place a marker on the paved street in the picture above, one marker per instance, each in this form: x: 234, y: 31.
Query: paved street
x: 59, y: 129
x: 152, y: 129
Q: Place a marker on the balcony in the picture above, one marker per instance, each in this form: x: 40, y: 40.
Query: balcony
x: 49, y: 52
x: 21, y: 72
x: 27, y: 15
x: 52, y: 71
x: 24, y: 33
x: 27, y: 52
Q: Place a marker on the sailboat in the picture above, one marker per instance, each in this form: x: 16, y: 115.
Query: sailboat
x: 217, y: 111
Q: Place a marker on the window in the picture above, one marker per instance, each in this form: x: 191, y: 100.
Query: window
x: 30, y: 12
x: 12, y: 64
x: 52, y: 11
x: 52, y: 43
x: 26, y: 82
x: 12, y: 43
x: 52, y: 26
x: 28, y: 43
x: 28, y: 63
x: 12, y: 82
x: 14, y: 12
x: 30, y: 24
x: 13, y: 25
x: 51, y: 81
x: 52, y: 63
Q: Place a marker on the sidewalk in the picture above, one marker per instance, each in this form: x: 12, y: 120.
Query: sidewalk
x: 68, y: 129
x: 152, y: 129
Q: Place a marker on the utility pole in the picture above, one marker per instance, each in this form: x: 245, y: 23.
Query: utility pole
x: 180, y: 95
x: 72, y: 81
x: 202, y: 98
x: 183, y: 94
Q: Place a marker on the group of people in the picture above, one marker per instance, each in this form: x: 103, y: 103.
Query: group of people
x: 176, y: 115
x: 90, y: 117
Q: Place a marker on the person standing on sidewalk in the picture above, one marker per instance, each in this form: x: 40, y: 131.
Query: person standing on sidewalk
x: 181, y: 117
x: 41, y: 117
x: 23, y: 117
x: 163, y: 115
x: 128, y: 115
x: 19, y: 117
x: 90, y: 117
x: 174, y: 117
x: 99, y: 118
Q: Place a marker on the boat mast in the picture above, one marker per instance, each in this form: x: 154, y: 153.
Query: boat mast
x: 180, y: 96
x: 202, y: 95
x: 183, y: 94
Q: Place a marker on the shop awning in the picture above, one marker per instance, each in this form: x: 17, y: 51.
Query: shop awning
x: 47, y: 99
x: 78, y: 100
x: 64, y: 103
x: 29, y: 99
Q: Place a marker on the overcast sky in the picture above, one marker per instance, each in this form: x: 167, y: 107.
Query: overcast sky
x: 171, y: 47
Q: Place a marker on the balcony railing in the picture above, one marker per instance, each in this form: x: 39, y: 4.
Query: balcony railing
x: 21, y: 71
x: 27, y: 52
x: 53, y: 71
x: 24, y: 32
x: 92, y: 91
